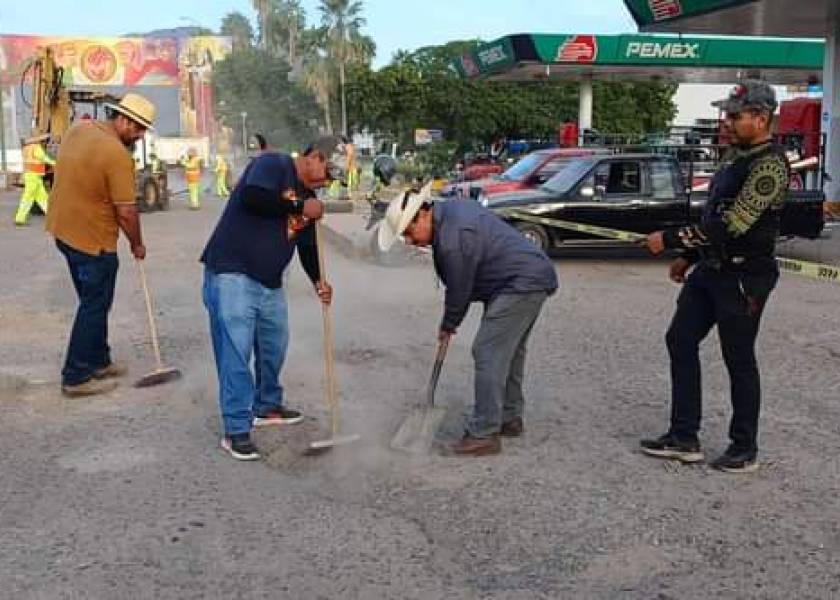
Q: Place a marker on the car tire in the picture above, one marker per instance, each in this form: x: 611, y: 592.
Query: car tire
x: 534, y: 233
x: 149, y: 197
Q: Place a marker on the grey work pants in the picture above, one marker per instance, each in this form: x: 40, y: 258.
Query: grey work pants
x: 499, y: 354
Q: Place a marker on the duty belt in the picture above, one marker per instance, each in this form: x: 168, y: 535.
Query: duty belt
x: 739, y: 264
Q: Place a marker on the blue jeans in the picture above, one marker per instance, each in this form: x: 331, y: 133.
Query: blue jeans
x: 246, y: 318
x: 94, y: 278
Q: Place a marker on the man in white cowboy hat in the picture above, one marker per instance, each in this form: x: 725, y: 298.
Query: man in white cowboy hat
x: 480, y: 258
x: 35, y: 161
x: 93, y: 197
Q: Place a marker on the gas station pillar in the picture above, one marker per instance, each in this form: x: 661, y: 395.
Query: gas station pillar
x: 831, y: 110
x: 585, y: 106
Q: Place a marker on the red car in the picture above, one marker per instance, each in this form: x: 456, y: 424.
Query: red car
x: 531, y: 171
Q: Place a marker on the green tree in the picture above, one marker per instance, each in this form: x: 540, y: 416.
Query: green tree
x: 263, y: 8
x: 238, y: 27
x: 257, y: 82
x: 286, y: 23
x: 419, y: 90
x: 318, y: 78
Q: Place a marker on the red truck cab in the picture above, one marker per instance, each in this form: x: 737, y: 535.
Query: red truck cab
x: 530, y: 171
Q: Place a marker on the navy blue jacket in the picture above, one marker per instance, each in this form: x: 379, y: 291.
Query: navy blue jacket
x: 252, y: 235
x: 478, y: 257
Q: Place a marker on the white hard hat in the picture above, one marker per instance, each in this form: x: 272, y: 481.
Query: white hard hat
x: 401, y: 211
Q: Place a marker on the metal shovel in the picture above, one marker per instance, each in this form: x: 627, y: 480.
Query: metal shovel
x: 417, y: 432
x: 161, y: 374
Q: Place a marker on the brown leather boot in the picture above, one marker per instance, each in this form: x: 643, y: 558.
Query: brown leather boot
x: 473, y: 446
x: 91, y: 387
x: 114, y: 369
x: 513, y: 428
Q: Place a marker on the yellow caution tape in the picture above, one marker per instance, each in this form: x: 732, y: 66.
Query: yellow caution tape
x: 616, y: 234
x: 811, y: 270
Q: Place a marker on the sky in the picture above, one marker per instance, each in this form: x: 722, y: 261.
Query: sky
x: 393, y: 24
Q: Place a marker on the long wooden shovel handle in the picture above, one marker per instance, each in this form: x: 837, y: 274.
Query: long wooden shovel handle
x: 329, y: 365
x: 433, y: 380
x: 152, y: 329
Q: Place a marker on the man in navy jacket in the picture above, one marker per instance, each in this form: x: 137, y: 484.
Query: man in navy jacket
x: 480, y: 258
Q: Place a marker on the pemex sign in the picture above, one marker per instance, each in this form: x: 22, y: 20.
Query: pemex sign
x: 675, y: 51
x: 617, y: 50
x: 597, y: 53
x: 662, y: 50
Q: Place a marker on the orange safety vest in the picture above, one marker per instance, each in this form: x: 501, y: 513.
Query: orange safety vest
x: 192, y: 168
x: 31, y: 162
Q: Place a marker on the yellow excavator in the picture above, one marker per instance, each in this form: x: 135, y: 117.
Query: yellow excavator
x: 54, y: 108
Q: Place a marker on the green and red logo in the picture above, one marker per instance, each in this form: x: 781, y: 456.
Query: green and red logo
x: 578, y: 49
x: 664, y: 9
x: 469, y: 66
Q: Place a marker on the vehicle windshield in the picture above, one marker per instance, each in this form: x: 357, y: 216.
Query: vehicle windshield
x: 567, y: 177
x: 523, y: 168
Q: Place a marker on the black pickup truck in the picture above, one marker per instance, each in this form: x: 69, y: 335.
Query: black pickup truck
x: 631, y: 192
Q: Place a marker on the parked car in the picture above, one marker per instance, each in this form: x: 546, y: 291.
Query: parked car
x: 531, y: 171
x: 631, y: 192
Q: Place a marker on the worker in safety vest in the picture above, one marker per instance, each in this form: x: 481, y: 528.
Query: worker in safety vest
x: 192, y: 171
x: 352, y: 172
x: 154, y: 162
x: 35, y: 161
x: 221, y: 171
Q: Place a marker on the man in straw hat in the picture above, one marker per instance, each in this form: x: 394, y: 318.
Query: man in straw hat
x: 92, y: 199
x: 269, y: 215
x: 480, y: 258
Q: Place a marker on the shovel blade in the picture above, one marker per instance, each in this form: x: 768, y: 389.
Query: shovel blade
x: 320, y: 446
x: 417, y: 432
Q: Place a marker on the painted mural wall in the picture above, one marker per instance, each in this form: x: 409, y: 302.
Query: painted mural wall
x: 121, y: 63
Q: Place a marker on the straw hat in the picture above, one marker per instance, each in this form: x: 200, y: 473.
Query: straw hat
x: 400, y: 213
x: 137, y: 108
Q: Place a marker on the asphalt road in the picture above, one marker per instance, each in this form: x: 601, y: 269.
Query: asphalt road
x: 128, y: 496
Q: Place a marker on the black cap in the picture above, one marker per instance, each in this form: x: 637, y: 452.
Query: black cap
x: 751, y: 94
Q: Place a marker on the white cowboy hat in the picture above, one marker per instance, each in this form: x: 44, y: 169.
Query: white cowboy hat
x: 401, y: 211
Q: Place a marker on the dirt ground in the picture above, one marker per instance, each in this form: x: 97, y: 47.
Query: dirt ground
x: 128, y: 496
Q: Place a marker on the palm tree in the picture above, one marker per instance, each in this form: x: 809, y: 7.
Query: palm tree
x: 342, y: 21
x: 287, y: 24
x: 318, y: 77
x: 263, y: 9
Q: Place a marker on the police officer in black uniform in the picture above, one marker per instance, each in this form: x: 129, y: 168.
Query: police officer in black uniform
x: 732, y: 251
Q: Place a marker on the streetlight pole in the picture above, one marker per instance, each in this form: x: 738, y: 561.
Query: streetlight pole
x: 3, y: 166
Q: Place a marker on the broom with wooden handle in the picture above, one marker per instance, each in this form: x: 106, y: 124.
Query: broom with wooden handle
x: 161, y: 374
x: 335, y: 438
